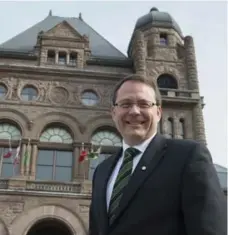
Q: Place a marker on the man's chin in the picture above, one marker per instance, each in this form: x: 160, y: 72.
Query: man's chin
x: 135, y: 134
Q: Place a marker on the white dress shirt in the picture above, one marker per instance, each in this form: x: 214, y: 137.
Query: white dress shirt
x: 141, y: 147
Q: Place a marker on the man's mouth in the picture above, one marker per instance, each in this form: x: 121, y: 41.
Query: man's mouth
x: 135, y: 123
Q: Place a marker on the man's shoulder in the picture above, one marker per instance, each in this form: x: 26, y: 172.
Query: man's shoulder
x: 183, y: 143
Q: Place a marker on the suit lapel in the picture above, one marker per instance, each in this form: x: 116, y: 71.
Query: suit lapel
x: 101, y: 202
x: 145, y: 167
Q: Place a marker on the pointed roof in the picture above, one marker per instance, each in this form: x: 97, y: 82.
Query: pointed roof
x: 25, y: 41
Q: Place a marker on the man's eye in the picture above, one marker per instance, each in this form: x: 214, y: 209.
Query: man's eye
x: 144, y: 105
x: 125, y: 105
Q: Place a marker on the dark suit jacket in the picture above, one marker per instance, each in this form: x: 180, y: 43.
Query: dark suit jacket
x: 178, y: 193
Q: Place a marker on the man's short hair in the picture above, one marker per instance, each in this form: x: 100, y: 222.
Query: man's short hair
x: 138, y: 78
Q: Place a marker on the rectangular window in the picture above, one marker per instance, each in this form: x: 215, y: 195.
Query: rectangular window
x: 7, y: 168
x: 163, y: 39
x: 54, y: 165
x: 94, y: 163
x: 51, y: 57
x: 62, y: 58
x: 73, y: 59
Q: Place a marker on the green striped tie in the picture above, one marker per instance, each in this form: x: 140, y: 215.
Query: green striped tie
x: 121, y: 181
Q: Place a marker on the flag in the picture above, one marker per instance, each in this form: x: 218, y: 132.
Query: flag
x: 94, y: 154
x: 9, y: 153
x: 17, y: 156
x: 83, y: 154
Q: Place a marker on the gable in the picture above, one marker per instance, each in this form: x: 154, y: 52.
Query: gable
x: 63, y: 30
x: 26, y: 40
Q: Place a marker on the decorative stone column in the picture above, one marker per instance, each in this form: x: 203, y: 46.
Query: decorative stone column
x: 75, y: 170
x: 28, y: 162
x: 192, y: 76
x: 68, y: 58
x: 198, y: 123
x: 190, y: 60
x: 138, y: 53
x: 176, y: 128
x: 33, y: 159
x: 23, y: 149
x: 56, y: 57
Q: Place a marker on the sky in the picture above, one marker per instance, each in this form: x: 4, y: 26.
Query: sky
x: 115, y: 21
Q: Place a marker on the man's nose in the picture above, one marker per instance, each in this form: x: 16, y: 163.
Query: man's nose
x: 134, y: 109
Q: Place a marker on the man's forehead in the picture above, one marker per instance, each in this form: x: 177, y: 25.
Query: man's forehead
x: 140, y: 94
x: 128, y: 85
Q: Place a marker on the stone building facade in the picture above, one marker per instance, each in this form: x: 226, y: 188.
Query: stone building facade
x: 56, y: 81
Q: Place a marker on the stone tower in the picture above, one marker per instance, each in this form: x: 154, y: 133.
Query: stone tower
x: 159, y: 50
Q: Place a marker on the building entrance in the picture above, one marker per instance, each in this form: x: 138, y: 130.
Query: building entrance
x: 50, y: 227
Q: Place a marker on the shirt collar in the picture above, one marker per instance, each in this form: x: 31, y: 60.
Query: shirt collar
x: 141, y: 147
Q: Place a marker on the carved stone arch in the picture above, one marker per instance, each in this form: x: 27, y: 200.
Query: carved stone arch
x: 97, y: 122
x: 15, y: 117
x: 168, y: 78
x: 46, y: 119
x: 3, y: 228
x: 173, y: 72
x: 24, y: 222
x: 44, y: 219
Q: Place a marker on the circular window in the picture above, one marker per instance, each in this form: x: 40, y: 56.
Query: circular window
x: 2, y: 91
x: 29, y: 93
x: 89, y: 98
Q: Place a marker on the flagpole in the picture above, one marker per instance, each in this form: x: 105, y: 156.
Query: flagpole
x: 1, y: 160
x: 11, y: 155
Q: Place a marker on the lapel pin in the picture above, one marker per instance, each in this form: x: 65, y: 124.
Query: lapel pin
x: 143, y: 168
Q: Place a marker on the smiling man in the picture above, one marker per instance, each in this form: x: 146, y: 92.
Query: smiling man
x: 154, y: 185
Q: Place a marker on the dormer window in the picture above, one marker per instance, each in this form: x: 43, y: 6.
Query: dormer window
x: 73, y: 59
x: 163, y: 39
x: 62, y: 58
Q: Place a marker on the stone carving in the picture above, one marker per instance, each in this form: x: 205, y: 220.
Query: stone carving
x: 59, y: 95
x: 57, y: 92
x: 63, y: 30
x: 13, y: 86
x: 36, y: 186
x: 84, y: 208
x: 107, y: 96
x: 10, y: 210
x: 43, y: 91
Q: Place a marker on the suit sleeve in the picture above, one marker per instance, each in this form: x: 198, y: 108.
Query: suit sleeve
x: 92, y: 223
x: 203, y: 202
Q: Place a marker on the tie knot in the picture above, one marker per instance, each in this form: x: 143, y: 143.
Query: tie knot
x: 131, y: 152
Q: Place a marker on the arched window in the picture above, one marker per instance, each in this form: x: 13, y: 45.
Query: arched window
x: 167, y: 81
x: 10, y: 137
x: 106, y: 138
x: 56, y: 135
x: 55, y: 155
x: 103, y: 138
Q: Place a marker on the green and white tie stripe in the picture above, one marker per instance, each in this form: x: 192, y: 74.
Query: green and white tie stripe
x: 121, y: 182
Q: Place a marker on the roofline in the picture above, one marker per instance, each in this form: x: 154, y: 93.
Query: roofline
x: 94, y: 60
x: 17, y: 55
x: 104, y: 39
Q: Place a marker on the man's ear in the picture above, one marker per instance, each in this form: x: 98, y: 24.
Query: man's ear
x: 159, y: 112
x: 113, y: 111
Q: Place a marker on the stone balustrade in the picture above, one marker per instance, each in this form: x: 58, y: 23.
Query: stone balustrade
x: 189, y: 94
x: 15, y: 184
